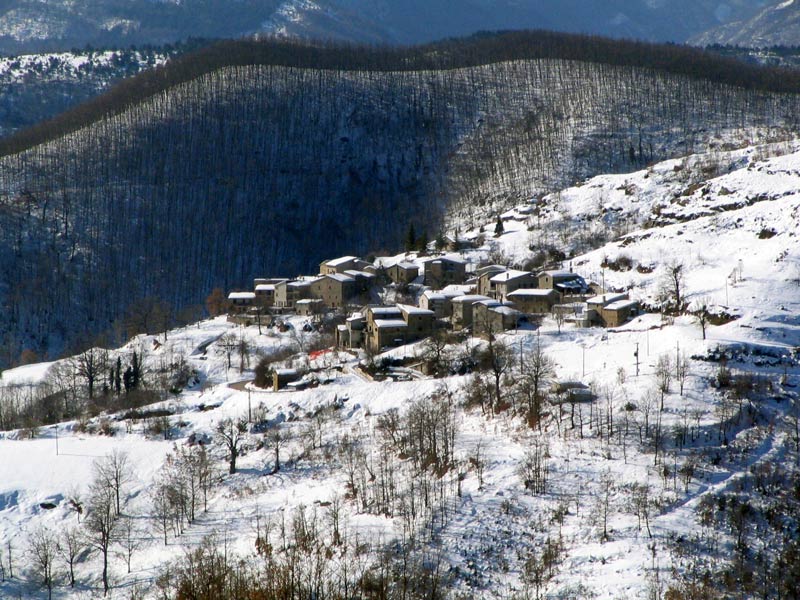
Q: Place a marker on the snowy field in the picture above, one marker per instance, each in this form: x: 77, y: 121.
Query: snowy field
x: 735, y: 236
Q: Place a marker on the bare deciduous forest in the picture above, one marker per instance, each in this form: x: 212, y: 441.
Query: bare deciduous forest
x: 261, y: 158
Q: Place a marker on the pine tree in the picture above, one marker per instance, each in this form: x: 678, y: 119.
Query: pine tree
x: 135, y: 372
x: 498, y: 228
x: 118, y: 376
x: 422, y: 242
x: 411, y: 238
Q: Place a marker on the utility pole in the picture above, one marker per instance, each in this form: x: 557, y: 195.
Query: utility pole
x: 636, y: 355
x: 56, y: 439
x: 583, y: 360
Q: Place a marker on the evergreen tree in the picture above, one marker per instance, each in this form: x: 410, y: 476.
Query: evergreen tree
x: 135, y: 372
x: 499, y: 228
x: 411, y: 238
x: 118, y: 376
x: 422, y: 242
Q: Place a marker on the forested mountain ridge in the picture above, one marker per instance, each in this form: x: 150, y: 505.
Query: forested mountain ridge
x: 50, y: 25
x: 256, y: 159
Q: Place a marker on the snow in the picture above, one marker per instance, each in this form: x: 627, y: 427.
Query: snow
x: 533, y: 292
x: 736, y: 235
x: 241, y: 296
x: 621, y: 304
x: 509, y: 275
x: 386, y: 323
x: 337, y: 262
x: 414, y: 310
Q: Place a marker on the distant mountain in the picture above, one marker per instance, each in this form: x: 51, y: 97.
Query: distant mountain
x: 415, y: 21
x: 777, y: 24
x: 255, y: 159
x: 59, y: 25
x: 35, y: 26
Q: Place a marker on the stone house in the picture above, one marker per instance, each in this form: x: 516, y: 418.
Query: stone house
x: 564, y: 282
x: 534, y: 301
x: 396, y: 325
x: 502, y: 284
x: 290, y: 291
x: 483, y: 276
x: 462, y: 309
x: 333, y: 289
x: 616, y: 313
x: 241, y: 301
x: 611, y: 309
x: 443, y: 271
x: 308, y: 307
x: 351, y: 334
x: 402, y: 272
x: 282, y: 377
x: 338, y: 265
x: 364, y: 279
x: 490, y: 317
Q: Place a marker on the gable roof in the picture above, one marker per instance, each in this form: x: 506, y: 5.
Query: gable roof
x: 509, y: 275
x: 336, y: 262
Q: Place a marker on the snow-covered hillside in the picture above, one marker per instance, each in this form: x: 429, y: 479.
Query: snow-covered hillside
x: 680, y: 419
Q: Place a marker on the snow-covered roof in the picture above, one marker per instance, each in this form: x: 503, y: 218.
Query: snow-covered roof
x: 414, y: 310
x: 605, y: 299
x: 341, y: 277
x: 241, y: 296
x: 432, y: 295
x: 558, y: 274
x: 356, y: 273
x: 505, y: 310
x: 299, y: 283
x: 470, y: 299
x: 265, y: 287
x: 621, y: 304
x: 454, y: 290
x: 489, y: 302
x: 383, y: 323
x: 508, y: 275
x: 286, y: 372
x: 384, y: 310
x: 309, y: 301
x: 531, y: 293
x: 406, y: 265
x: 490, y: 269
x: 340, y: 261
x: 448, y: 259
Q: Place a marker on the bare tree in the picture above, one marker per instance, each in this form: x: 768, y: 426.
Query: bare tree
x: 42, y: 550
x: 101, y: 523
x: 162, y: 509
x: 607, y: 489
x: 497, y: 358
x: 231, y: 432
x: 114, y: 471
x: 91, y: 365
x: 533, y: 469
x: 129, y: 540
x: 536, y: 370
x: 277, y: 438
x: 663, y: 376
x: 70, y: 545
x: 641, y: 504
x: 243, y: 349
x: 228, y: 344
x: 682, y: 371
x: 435, y: 353
x: 702, y: 314
x: 671, y: 284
